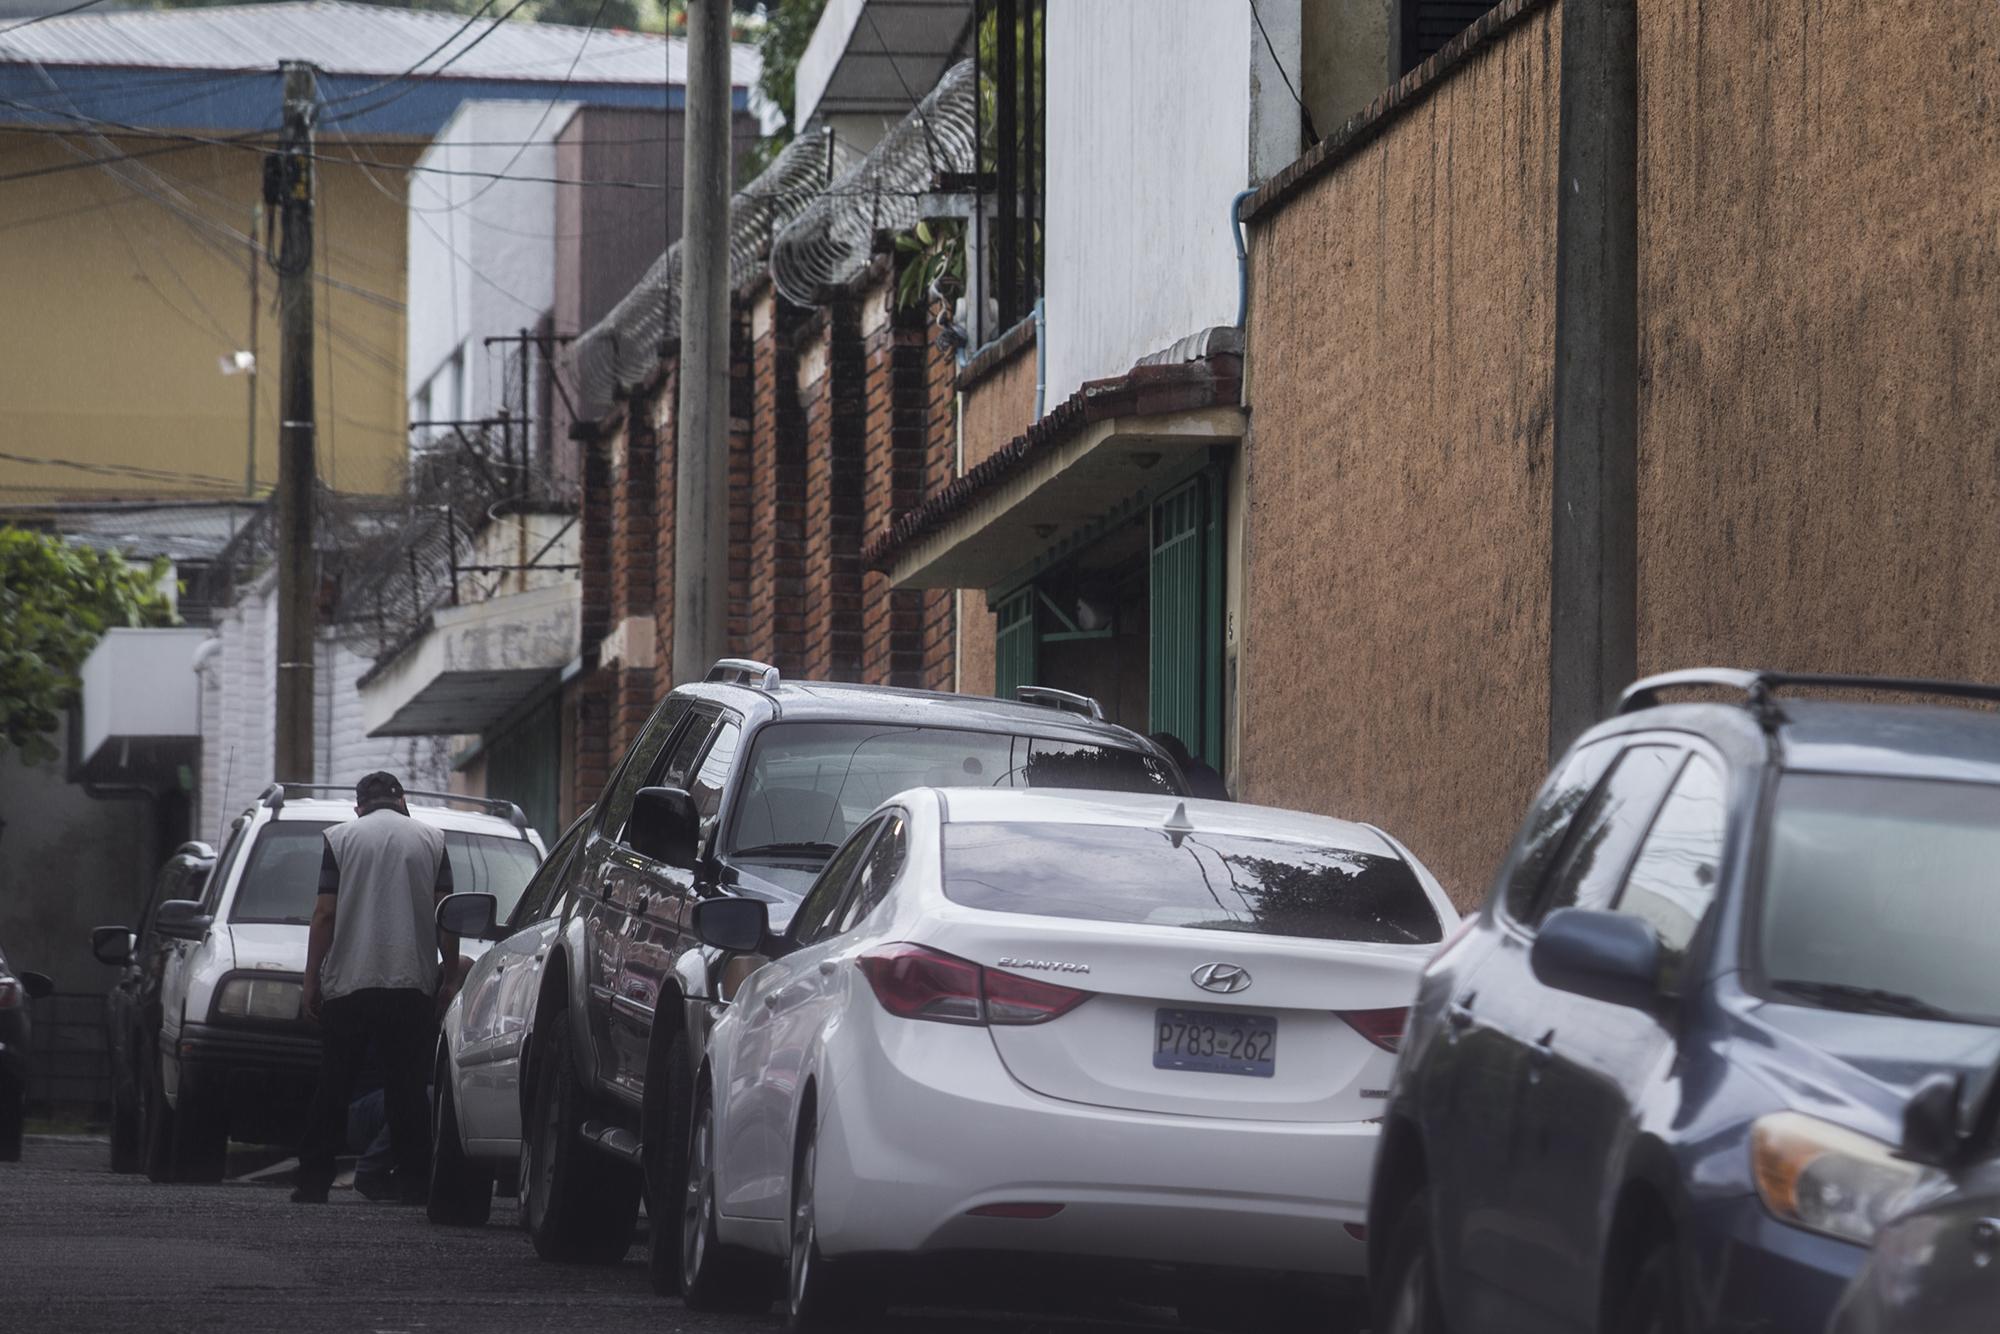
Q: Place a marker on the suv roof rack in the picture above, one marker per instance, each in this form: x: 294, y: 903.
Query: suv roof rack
x: 1065, y: 700
x: 744, y: 672
x: 1759, y: 686
x: 274, y: 797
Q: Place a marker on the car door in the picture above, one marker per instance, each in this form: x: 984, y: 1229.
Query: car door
x: 1594, y: 1064
x: 764, y: 1074
x: 1521, y: 1255
x: 1464, y: 1088
x: 497, y: 996
x: 176, y: 954
x: 603, y: 912
x: 126, y: 1030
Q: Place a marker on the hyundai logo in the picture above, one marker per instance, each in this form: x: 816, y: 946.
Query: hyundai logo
x: 1226, y: 978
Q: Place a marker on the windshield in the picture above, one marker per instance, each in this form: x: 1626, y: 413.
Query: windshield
x: 810, y: 784
x: 1879, y: 894
x: 281, y: 879
x: 1209, y: 882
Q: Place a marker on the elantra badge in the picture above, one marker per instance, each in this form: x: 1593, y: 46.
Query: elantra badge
x: 1226, y: 978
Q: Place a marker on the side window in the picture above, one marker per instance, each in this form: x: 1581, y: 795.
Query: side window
x: 535, y: 898
x: 1673, y: 880
x: 1601, y: 843
x: 878, y: 873
x: 708, y: 781
x: 225, y: 865
x: 686, y: 750
x: 617, y: 802
x: 817, y: 915
x: 1554, y: 811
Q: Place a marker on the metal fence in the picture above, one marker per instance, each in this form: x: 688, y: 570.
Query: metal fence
x: 69, y: 1069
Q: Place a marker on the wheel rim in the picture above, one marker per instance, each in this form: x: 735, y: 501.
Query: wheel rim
x: 540, y: 1171
x: 1412, y: 1297
x: 696, y: 1198
x: 805, y: 1236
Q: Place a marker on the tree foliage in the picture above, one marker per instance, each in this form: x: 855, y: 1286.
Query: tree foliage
x: 56, y: 602
x: 788, y: 29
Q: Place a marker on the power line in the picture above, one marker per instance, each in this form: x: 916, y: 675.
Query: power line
x: 1305, y: 115
x: 413, y: 83
x: 419, y: 63
x: 44, y: 18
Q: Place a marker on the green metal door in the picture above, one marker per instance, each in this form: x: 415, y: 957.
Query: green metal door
x: 522, y: 767
x: 1184, y: 673
x: 1014, y: 643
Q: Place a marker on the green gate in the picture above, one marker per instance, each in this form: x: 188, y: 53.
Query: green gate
x: 521, y: 766
x: 1185, y: 667
x: 1014, y: 643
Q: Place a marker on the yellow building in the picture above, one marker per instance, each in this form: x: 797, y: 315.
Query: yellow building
x: 138, y: 324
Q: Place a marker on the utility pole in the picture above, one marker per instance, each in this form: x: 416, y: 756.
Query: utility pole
x: 701, y: 472
x: 256, y: 273
x: 288, y: 187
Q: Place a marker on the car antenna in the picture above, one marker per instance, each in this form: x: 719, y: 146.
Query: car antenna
x: 1178, y: 826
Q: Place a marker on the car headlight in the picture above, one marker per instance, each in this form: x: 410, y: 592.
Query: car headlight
x: 259, y: 998
x: 1827, y: 1178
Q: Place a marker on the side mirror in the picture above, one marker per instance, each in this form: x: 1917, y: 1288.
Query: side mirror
x: 182, y: 919
x: 1612, y: 957
x: 665, y: 826
x: 1932, y: 1132
x: 37, y: 985
x: 738, y: 925
x: 112, y: 944
x: 469, y: 916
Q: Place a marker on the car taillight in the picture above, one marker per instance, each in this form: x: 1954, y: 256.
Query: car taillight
x: 916, y: 982
x: 1384, y: 1028
x: 10, y: 994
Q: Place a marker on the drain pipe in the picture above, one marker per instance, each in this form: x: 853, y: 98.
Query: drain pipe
x: 1041, y: 357
x: 1242, y: 255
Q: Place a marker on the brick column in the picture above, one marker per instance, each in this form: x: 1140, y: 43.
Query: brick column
x: 629, y: 648
x: 777, y: 485
x: 832, y: 395
x: 896, y: 446
x: 742, y: 478
x: 940, y: 646
x: 663, y: 409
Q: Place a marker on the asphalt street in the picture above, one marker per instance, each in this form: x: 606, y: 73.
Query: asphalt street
x: 84, y: 1251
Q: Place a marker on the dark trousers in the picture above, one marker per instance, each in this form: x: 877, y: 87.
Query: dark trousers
x: 398, y: 1022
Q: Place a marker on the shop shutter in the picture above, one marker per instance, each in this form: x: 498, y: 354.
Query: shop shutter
x: 1014, y: 643
x: 1178, y: 630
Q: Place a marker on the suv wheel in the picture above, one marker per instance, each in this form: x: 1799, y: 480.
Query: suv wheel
x: 581, y: 1205
x: 461, y: 1190
x: 1652, y: 1303
x: 714, y: 1277
x: 200, y: 1134
x: 127, y: 1138
x: 1408, y: 1296
x: 13, y: 1112
x: 156, y: 1125
x: 666, y: 1160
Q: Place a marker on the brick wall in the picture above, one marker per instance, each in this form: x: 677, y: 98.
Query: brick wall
x: 634, y: 549
x: 777, y: 486
x: 895, y: 471
x: 832, y: 395
x: 742, y: 408
x: 940, y: 632
x: 662, y: 409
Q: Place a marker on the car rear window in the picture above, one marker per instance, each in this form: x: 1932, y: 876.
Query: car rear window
x: 809, y: 785
x: 1205, y: 882
x: 281, y: 879
x: 1879, y: 894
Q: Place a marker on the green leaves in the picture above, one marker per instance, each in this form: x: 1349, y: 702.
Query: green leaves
x: 56, y: 602
x: 925, y: 253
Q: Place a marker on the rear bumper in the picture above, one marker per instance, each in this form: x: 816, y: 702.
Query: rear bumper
x: 264, y: 1080
x: 924, y: 1124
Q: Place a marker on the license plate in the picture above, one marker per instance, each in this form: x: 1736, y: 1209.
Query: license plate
x: 1216, y: 1042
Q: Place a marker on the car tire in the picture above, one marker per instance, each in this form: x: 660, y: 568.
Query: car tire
x: 1270, y: 1304
x: 128, y: 1145
x: 1406, y: 1300
x: 666, y: 1161
x: 581, y: 1206
x: 156, y: 1126
x: 714, y: 1277
x: 1652, y: 1302
x: 819, y: 1293
x: 461, y: 1190
x: 200, y: 1135
x: 13, y: 1115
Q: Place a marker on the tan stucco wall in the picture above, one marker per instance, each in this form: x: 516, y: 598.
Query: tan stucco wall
x: 999, y: 407
x: 118, y: 310
x: 1347, y: 58
x: 1394, y: 646
x: 1820, y: 250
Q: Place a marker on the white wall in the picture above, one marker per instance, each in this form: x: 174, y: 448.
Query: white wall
x: 1151, y: 134
x: 482, y: 253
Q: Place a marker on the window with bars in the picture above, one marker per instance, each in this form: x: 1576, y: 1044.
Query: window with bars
x: 1429, y: 25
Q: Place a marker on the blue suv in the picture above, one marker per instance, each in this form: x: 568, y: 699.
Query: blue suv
x: 1657, y: 1084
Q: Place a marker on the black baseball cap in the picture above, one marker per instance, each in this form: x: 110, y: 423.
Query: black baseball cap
x: 378, y: 789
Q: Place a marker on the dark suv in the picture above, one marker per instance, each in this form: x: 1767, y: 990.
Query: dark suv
x: 741, y: 784
x: 1658, y: 1084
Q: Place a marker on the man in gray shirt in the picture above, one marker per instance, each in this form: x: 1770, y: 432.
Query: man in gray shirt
x: 374, y: 964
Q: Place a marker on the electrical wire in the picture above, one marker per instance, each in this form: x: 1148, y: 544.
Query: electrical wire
x: 413, y: 82
x: 1306, y: 116
x: 44, y: 18
x: 457, y: 32
x: 121, y: 469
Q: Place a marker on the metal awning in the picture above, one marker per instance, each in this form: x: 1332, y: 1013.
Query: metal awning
x: 877, y: 56
x: 140, y: 715
x: 474, y: 664
x: 1069, y: 478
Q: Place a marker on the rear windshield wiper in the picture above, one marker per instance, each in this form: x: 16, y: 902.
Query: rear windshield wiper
x: 1862, y: 1000
x: 821, y: 850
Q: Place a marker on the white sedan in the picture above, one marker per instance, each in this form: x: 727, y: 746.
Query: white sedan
x: 1077, y: 1024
